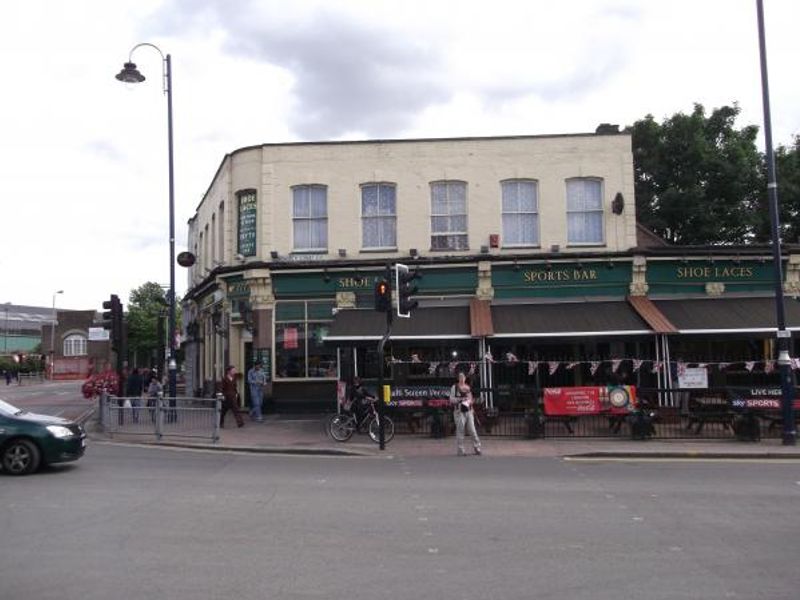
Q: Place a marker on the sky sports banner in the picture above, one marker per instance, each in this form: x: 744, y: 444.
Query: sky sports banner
x: 591, y: 400
x: 763, y: 398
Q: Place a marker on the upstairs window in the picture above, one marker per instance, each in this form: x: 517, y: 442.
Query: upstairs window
x: 310, y: 217
x: 75, y: 345
x: 584, y: 211
x: 378, y: 215
x: 520, y: 212
x: 449, y: 215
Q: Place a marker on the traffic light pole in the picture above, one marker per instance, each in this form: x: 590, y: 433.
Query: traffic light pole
x: 381, y: 366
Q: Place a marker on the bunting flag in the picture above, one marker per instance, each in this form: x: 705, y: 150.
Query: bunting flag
x: 657, y: 364
x: 510, y: 359
x: 452, y: 367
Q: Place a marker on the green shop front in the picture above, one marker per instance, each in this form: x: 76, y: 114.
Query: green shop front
x: 632, y: 319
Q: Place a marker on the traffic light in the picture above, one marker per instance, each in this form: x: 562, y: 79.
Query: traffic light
x: 383, y: 295
x: 112, y: 320
x: 404, y: 283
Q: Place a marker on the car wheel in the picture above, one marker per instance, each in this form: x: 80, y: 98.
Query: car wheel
x: 20, y: 457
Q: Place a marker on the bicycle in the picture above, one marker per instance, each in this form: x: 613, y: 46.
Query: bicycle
x: 343, y: 425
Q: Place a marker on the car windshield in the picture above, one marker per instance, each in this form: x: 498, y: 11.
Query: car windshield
x: 8, y: 409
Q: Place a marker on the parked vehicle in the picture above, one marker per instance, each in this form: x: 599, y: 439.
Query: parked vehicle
x: 29, y: 441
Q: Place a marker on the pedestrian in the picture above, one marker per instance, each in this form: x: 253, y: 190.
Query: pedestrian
x: 134, y: 388
x: 230, y: 396
x: 256, y: 379
x: 155, y: 391
x: 463, y: 414
x: 8, y: 376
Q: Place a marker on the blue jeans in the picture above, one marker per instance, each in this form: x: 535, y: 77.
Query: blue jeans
x: 256, y: 399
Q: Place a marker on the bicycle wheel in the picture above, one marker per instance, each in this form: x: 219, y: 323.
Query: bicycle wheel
x: 388, y: 429
x: 341, y: 427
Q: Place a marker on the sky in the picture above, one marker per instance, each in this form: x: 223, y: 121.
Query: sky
x: 84, y: 204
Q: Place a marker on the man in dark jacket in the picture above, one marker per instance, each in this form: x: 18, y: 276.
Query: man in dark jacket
x: 229, y: 397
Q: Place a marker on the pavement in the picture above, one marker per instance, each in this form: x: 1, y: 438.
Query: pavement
x: 306, y: 434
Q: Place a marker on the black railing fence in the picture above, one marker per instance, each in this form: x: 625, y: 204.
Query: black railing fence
x: 748, y: 414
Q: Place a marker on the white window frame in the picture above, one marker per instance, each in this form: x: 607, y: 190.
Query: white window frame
x: 519, y: 213
x: 449, y: 233
x: 379, y: 216
x: 308, y: 218
x: 598, y: 211
x: 74, y: 345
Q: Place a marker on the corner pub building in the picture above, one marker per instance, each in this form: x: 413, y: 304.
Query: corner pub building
x: 534, y: 274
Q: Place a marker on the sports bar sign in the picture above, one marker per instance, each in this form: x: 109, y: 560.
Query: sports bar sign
x: 589, y: 400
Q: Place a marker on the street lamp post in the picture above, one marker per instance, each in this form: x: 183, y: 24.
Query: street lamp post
x: 53, y: 334
x: 789, y: 433
x: 130, y: 74
x: 7, y: 305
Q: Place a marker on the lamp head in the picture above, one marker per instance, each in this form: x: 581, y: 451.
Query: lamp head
x: 130, y: 74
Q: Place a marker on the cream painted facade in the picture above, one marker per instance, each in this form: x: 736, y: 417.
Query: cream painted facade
x: 411, y: 166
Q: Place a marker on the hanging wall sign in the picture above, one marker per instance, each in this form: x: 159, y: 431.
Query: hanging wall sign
x: 247, y: 222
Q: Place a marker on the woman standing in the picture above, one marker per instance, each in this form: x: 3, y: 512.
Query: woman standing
x: 462, y: 402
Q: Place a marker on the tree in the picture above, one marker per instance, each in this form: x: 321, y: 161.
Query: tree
x: 147, y: 304
x: 698, y: 179
x: 787, y: 167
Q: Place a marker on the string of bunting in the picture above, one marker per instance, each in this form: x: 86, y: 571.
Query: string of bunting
x: 552, y: 366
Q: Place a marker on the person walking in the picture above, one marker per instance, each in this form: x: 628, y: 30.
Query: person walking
x: 256, y: 379
x: 229, y: 397
x: 463, y: 414
x: 155, y: 390
x: 134, y: 388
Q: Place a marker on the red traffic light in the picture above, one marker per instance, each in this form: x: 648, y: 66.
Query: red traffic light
x: 383, y: 296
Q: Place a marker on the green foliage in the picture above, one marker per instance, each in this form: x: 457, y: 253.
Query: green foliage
x: 147, y: 304
x: 787, y: 166
x: 699, y: 179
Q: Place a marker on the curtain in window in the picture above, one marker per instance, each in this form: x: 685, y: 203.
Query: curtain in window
x: 520, y: 213
x: 449, y: 215
x: 379, y: 216
x: 75, y: 345
x: 584, y: 211
x: 310, y: 212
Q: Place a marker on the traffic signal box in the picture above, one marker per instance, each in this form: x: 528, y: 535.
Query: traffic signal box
x: 112, y: 320
x: 404, y: 284
x: 383, y: 295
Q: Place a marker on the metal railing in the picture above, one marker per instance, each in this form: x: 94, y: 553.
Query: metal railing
x: 161, y: 417
x: 678, y: 414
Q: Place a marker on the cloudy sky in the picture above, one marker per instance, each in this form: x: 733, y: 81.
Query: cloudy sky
x: 83, y: 158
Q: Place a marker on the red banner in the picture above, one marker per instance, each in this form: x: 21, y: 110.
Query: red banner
x: 594, y: 400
